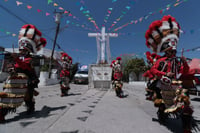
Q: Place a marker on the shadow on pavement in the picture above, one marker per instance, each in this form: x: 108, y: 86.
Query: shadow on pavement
x: 196, y: 99
x: 43, y: 113
x: 175, y: 124
x: 196, y: 125
x: 73, y: 94
x: 76, y: 131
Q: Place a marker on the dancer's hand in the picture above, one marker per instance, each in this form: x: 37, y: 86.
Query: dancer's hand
x: 169, y: 74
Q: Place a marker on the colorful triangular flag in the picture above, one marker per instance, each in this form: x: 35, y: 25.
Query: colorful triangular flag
x: 29, y: 7
x: 128, y: 7
x: 47, y: 14
x: 38, y: 10
x: 114, y: 1
x: 55, y: 4
x: 81, y: 8
x: 50, y: 1
x: 60, y: 8
x: 19, y: 3
x: 67, y: 21
x: 66, y: 12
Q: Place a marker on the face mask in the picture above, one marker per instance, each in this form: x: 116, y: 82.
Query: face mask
x: 25, y: 43
x: 168, y: 42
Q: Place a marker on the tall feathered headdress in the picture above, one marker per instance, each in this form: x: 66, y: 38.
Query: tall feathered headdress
x: 30, y: 38
x: 64, y: 57
x: 163, y: 34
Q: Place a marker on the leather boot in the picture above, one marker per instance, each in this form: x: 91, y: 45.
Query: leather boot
x: 30, y: 107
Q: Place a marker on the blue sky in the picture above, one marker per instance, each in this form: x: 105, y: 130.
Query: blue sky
x: 73, y: 36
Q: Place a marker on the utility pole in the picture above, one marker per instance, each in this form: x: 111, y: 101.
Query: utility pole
x: 57, y: 20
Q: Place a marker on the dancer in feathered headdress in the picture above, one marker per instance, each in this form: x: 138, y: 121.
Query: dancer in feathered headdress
x: 20, y: 84
x: 163, y: 36
x: 65, y: 74
x: 117, y: 83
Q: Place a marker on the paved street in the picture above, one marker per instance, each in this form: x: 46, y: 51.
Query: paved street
x: 92, y: 111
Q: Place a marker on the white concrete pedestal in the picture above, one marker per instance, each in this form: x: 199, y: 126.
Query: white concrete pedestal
x: 100, y: 76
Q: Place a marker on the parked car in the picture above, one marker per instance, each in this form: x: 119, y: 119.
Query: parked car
x: 197, y: 81
x: 195, y: 90
x: 81, y: 77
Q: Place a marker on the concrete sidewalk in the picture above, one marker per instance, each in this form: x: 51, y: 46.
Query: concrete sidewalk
x: 105, y: 113
x: 87, y: 111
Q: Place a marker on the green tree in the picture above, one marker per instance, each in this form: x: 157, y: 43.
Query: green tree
x: 135, y: 65
x: 125, y: 60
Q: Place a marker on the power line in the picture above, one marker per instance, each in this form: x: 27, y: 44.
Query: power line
x: 24, y: 21
x: 4, y: 8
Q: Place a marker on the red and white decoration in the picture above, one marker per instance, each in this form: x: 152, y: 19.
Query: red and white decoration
x: 163, y: 34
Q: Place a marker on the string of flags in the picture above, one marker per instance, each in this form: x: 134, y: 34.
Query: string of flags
x: 77, y: 24
x: 191, y: 31
x: 28, y: 6
x: 7, y: 32
x: 109, y: 11
x: 47, y: 14
x: 189, y: 50
x: 144, y: 54
x: 62, y: 9
x: 142, y: 18
x: 86, y: 12
x: 123, y: 13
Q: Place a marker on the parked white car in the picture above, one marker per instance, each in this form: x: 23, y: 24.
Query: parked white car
x: 81, y: 77
x: 197, y: 81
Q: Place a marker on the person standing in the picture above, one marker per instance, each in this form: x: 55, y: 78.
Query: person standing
x: 117, y: 77
x: 162, y: 37
x: 65, y: 74
x: 22, y: 80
